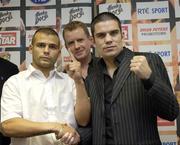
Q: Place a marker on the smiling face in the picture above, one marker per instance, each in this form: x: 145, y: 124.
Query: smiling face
x: 45, y: 50
x: 78, y: 43
x: 108, y: 38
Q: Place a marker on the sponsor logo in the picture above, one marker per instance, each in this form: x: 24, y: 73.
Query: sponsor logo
x: 152, y: 10
x: 8, y: 39
x: 159, y: 10
x: 154, y: 31
x: 163, y: 53
x: 162, y: 122
x: 115, y: 9
x: 40, y: 1
x: 40, y: 16
x: 75, y: 13
x: 169, y: 143
x: 125, y: 32
x: 5, y: 17
x: 143, y: 11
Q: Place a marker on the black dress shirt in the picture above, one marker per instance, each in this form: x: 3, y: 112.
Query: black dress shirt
x: 108, y: 84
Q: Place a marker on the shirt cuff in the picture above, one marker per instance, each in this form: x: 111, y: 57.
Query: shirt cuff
x: 149, y: 82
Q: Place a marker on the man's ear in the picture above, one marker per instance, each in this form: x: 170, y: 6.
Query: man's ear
x: 91, y: 40
x: 123, y: 39
x: 30, y: 48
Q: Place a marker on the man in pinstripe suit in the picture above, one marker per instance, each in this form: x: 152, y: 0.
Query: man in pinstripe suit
x: 79, y: 42
x: 128, y: 89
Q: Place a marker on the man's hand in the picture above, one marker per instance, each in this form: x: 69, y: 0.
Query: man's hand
x: 140, y: 67
x: 73, y: 68
x: 69, y: 139
x: 61, y: 128
x: 66, y: 134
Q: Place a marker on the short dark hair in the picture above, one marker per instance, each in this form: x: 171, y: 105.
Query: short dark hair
x: 105, y: 16
x: 47, y: 31
x: 74, y: 25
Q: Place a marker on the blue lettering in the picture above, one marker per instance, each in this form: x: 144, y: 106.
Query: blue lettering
x: 163, y: 53
x: 159, y: 10
x: 169, y: 143
x: 40, y: 1
x: 143, y: 11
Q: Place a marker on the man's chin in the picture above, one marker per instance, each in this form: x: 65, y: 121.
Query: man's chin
x: 79, y: 57
x: 46, y: 65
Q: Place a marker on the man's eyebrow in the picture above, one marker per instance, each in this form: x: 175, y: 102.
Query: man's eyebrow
x: 100, y: 33
x: 108, y: 31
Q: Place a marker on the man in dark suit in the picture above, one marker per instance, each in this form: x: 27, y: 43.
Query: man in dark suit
x: 7, y: 69
x: 79, y: 42
x: 128, y: 89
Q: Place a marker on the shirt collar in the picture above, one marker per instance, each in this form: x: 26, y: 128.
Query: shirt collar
x: 120, y: 57
x: 93, y: 60
x: 118, y: 61
x: 33, y: 71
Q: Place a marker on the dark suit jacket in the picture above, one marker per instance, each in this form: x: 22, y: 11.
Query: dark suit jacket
x: 86, y: 132
x: 134, y: 108
x: 7, y: 69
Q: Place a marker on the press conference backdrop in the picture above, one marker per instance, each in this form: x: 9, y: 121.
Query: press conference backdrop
x: 149, y: 26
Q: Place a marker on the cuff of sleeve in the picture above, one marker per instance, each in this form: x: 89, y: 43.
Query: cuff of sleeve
x: 149, y: 82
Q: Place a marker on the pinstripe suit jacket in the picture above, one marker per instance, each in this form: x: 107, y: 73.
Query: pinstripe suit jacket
x: 134, y: 109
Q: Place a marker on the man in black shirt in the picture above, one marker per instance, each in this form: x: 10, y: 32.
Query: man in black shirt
x: 128, y: 90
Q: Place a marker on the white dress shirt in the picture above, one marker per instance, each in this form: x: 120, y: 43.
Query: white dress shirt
x: 32, y: 96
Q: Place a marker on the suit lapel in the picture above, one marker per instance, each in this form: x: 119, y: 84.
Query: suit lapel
x: 98, y: 107
x: 97, y: 87
x: 100, y: 88
x: 122, y: 74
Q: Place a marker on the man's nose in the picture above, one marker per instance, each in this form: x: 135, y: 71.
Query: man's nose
x: 76, y: 45
x: 46, y: 48
x: 108, y: 38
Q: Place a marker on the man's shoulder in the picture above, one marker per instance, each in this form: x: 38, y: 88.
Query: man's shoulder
x: 7, y: 68
x: 63, y: 75
x: 19, y: 80
x: 4, y: 62
x: 94, y: 61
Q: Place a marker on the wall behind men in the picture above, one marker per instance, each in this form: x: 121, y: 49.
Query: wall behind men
x: 149, y: 26
x: 20, y: 19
